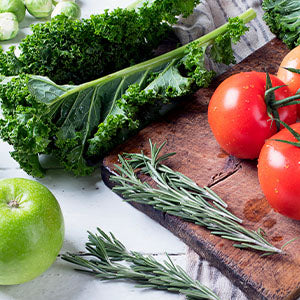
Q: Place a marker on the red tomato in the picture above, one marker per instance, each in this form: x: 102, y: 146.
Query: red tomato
x: 279, y: 173
x: 237, y: 113
x: 291, y: 60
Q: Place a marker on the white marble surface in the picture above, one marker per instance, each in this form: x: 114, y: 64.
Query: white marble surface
x: 87, y: 203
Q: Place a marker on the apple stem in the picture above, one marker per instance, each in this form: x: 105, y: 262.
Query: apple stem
x: 13, y: 204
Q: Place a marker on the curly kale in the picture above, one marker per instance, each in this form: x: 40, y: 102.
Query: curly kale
x: 23, y: 124
x: 77, y: 51
x: 283, y: 19
x: 80, y: 124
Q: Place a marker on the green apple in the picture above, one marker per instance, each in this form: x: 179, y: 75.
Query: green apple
x: 31, y: 230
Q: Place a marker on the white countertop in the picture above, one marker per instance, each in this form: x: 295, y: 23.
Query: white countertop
x: 86, y: 204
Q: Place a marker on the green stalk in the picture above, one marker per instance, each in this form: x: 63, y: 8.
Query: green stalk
x: 273, y: 105
x: 160, y: 60
x: 286, y: 101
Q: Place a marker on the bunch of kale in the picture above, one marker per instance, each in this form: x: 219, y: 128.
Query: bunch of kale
x: 77, y: 51
x: 79, y: 124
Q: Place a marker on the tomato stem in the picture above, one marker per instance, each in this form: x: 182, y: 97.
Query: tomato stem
x: 293, y: 70
x: 292, y: 131
x: 273, y: 105
x: 286, y: 101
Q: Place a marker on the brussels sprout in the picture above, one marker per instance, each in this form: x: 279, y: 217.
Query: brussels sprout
x: 16, y: 7
x: 39, y: 8
x: 55, y: 2
x: 68, y: 8
x: 9, y: 26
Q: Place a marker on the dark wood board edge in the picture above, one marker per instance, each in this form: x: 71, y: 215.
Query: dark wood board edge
x: 189, y: 238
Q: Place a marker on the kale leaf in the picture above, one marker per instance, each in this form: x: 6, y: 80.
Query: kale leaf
x: 79, y: 124
x: 24, y: 125
x: 283, y: 19
x: 77, y: 51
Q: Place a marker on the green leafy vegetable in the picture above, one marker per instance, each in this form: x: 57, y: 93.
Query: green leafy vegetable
x: 283, y: 19
x: 107, y: 256
x: 68, y: 8
x: 9, y: 26
x: 23, y: 125
x: 77, y: 51
x: 16, y: 7
x: 39, y: 8
x: 86, y: 121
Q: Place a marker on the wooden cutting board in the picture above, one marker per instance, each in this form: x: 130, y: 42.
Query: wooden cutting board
x: 198, y: 156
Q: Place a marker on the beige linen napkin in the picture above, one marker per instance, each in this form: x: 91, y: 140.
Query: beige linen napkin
x: 207, y: 16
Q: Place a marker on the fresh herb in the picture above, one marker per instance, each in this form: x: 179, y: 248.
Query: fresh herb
x: 178, y: 195
x: 77, y: 51
x: 283, y: 19
x: 107, y: 263
x: 85, y: 122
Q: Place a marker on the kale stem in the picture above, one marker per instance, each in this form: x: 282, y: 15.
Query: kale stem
x: 160, y: 60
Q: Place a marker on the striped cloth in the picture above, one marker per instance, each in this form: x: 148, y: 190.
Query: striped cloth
x: 207, y: 16
x: 211, y: 14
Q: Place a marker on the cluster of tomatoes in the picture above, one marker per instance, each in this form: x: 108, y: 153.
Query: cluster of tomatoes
x: 240, y: 120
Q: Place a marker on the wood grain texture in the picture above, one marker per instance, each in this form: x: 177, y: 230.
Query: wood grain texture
x: 198, y: 156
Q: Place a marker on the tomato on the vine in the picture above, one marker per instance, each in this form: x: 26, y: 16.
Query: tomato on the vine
x: 279, y: 173
x: 291, y: 60
x: 238, y: 116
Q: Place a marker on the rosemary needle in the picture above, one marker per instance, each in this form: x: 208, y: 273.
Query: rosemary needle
x: 111, y: 260
x: 178, y: 195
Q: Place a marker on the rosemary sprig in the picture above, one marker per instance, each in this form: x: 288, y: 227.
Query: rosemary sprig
x: 111, y: 260
x: 178, y: 195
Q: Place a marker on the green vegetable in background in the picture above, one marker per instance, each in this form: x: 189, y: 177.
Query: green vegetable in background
x: 80, y: 124
x: 39, y: 8
x: 55, y: 2
x: 77, y: 51
x: 283, y: 19
x: 9, y: 26
x: 16, y: 7
x: 68, y: 8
